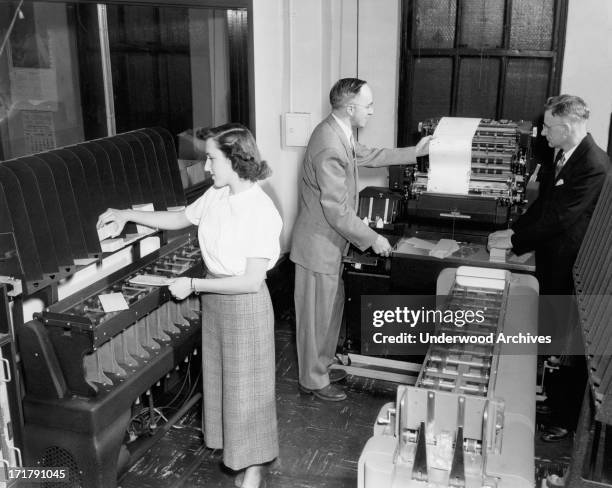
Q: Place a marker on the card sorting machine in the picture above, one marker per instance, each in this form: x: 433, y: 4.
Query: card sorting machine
x: 83, y: 369
x: 500, y: 160
x: 50, y: 202
x: 469, y: 420
x: 590, y: 465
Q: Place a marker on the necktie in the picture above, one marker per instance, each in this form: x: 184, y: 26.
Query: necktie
x: 560, y: 161
x: 352, y: 142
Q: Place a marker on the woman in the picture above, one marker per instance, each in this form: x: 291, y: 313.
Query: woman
x: 238, y: 231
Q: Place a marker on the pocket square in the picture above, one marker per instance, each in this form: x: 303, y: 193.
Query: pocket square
x: 559, y: 182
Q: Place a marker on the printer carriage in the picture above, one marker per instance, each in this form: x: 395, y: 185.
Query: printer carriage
x: 501, y: 162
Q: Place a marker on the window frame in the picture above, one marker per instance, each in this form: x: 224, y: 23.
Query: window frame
x: 409, y: 55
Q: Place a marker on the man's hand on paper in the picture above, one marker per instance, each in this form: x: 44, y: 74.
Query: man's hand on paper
x: 502, y: 239
x: 180, y: 288
x: 381, y: 246
x: 422, y: 147
x: 114, y: 219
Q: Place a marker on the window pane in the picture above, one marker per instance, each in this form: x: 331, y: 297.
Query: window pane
x: 478, y: 86
x: 526, y: 88
x: 153, y: 74
x: 532, y: 24
x: 482, y: 23
x: 432, y: 89
x: 40, y: 105
x: 170, y: 67
x: 435, y: 23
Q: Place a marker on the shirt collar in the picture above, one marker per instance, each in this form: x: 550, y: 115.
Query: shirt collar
x: 570, y: 151
x: 237, y: 197
x: 347, y: 129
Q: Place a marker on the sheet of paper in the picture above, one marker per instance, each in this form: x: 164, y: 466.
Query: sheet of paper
x: 112, y: 245
x: 113, y: 302
x: 416, y: 242
x: 497, y: 255
x: 150, y: 280
x: 444, y: 248
x: 107, y: 231
x: 523, y: 258
x: 450, y: 155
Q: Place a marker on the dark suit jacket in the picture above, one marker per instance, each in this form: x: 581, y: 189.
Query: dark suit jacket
x: 555, y: 224
x: 329, y: 197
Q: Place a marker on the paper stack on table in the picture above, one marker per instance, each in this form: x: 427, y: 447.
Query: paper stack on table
x: 497, y: 255
x: 444, y: 248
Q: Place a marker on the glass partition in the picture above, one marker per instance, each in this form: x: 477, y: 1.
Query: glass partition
x: 169, y: 66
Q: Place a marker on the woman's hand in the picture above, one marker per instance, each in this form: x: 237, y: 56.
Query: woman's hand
x: 181, y: 288
x: 115, y: 219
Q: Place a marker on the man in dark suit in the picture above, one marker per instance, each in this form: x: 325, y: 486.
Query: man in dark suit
x: 555, y: 224
x: 554, y: 227
x: 327, y: 222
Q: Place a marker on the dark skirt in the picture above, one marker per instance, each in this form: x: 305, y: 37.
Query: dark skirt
x: 239, y: 408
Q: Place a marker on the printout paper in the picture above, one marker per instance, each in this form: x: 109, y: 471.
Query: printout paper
x: 450, y: 155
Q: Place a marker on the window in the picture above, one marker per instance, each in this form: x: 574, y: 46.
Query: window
x: 172, y: 66
x: 495, y: 59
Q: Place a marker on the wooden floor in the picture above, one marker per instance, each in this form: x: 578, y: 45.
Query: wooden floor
x: 320, y: 442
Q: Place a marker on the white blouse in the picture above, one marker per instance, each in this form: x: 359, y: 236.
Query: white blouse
x: 232, y: 228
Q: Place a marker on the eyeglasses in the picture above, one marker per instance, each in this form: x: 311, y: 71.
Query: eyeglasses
x: 367, y: 107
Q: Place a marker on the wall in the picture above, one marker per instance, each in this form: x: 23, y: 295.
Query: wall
x: 302, y: 47
x: 587, y: 64
x: 300, y: 50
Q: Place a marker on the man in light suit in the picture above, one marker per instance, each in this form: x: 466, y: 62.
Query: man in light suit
x: 327, y: 222
x: 554, y: 227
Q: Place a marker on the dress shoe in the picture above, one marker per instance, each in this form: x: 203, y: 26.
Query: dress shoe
x: 555, y: 434
x: 330, y: 393
x: 336, y: 375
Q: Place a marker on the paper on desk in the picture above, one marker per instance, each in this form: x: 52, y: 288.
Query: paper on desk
x: 497, y: 255
x: 450, y: 155
x: 522, y: 258
x: 415, y: 242
x: 151, y: 280
x: 113, y: 302
x: 444, y: 248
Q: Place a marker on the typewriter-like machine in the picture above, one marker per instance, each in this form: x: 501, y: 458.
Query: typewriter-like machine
x: 85, y: 369
x: 468, y: 421
x: 501, y: 162
x: 501, y: 153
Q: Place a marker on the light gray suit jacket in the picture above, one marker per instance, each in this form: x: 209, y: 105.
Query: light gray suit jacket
x: 327, y: 218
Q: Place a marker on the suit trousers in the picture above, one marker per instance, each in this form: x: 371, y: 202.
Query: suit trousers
x: 319, y: 303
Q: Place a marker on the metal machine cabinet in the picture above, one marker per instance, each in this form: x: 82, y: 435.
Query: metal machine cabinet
x: 469, y: 420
